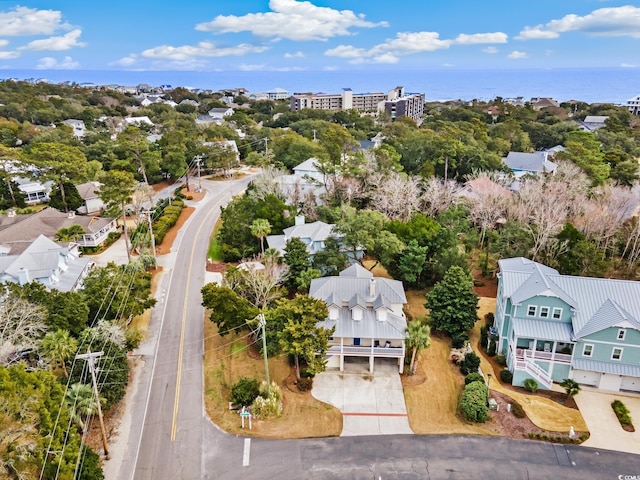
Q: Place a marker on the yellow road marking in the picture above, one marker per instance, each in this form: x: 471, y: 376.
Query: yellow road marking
x: 174, y: 424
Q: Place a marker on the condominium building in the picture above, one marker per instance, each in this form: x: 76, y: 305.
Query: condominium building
x: 634, y: 105
x: 396, y: 102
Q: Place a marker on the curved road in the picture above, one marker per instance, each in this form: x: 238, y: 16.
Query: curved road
x: 171, y: 437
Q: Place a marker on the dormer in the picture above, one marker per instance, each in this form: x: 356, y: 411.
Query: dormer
x: 356, y: 313
x: 381, y: 314
x: 333, y: 312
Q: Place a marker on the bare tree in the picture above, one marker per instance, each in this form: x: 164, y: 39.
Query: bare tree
x: 397, y: 196
x: 439, y: 195
x: 21, y: 325
x: 268, y: 182
x: 258, y: 280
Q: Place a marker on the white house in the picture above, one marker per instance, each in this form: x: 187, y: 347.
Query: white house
x: 367, y: 313
x: 34, y: 192
x: 220, y: 114
x: 55, y: 266
x: 91, y: 201
x: 312, y: 234
x: 78, y: 127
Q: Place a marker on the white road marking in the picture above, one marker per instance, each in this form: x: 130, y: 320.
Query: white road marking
x: 247, y: 450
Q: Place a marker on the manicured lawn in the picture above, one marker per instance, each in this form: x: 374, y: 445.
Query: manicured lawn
x: 215, y: 251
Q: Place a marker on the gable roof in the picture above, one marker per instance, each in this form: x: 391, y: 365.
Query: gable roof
x: 597, y: 303
x: 313, y: 232
x: 310, y: 164
x: 535, y: 162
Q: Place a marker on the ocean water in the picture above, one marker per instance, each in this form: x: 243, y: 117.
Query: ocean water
x: 610, y: 85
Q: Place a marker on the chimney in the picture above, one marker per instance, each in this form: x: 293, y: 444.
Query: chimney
x: 299, y: 220
x: 23, y: 276
x: 372, y: 287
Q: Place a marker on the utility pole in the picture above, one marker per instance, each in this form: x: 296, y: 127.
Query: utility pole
x: 314, y: 135
x: 266, y: 146
x: 198, y: 159
x: 263, y: 324
x: 89, y: 357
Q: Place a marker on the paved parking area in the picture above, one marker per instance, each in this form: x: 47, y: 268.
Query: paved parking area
x: 371, y: 404
x: 606, y: 432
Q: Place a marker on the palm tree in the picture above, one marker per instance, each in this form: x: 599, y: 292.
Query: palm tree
x: 70, y: 233
x: 59, y: 346
x: 418, y: 337
x: 82, y: 403
x: 571, y: 387
x: 261, y: 228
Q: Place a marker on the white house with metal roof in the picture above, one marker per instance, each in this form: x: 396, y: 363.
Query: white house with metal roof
x: 522, y: 163
x: 55, y: 266
x: 551, y: 327
x: 367, y: 313
x: 312, y: 234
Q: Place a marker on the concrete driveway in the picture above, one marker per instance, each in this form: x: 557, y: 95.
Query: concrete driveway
x: 371, y: 404
x: 606, y: 432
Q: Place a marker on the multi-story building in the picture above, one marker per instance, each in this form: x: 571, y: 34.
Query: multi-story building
x: 395, y: 102
x: 551, y: 326
x: 634, y: 105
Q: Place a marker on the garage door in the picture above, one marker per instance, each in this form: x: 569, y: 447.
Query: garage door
x: 631, y: 384
x: 586, y: 377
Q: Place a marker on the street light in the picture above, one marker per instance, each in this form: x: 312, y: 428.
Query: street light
x: 488, y: 387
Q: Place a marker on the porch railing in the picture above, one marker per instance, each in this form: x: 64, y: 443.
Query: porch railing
x: 535, y: 371
x: 362, y: 351
x: 539, y: 355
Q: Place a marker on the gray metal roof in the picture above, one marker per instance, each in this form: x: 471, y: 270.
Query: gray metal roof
x: 614, y: 368
x: 310, y: 164
x: 393, y: 328
x: 308, y: 232
x: 531, y: 162
x: 598, y: 303
x: 542, y: 329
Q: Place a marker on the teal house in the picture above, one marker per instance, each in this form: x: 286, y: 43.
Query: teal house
x: 551, y: 327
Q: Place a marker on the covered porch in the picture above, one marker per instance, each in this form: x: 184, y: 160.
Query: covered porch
x: 541, y: 349
x: 371, y: 348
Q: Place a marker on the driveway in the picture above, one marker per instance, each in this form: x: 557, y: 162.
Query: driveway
x: 371, y: 404
x: 606, y: 432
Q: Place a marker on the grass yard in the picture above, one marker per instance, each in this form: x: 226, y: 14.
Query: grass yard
x: 227, y: 360
x: 215, y: 250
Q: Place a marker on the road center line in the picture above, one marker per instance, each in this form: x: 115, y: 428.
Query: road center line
x: 247, y: 451
x: 174, y: 424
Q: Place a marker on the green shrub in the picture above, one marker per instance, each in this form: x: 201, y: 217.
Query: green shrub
x: 517, y: 410
x: 530, y: 385
x: 474, y: 402
x: 501, y: 360
x: 492, y: 348
x: 506, y: 376
x: 245, y: 391
x: 305, y: 384
x: 458, y: 340
x: 622, y: 412
x: 489, y: 318
x: 484, y: 336
x: 473, y: 377
x: 470, y: 363
x: 132, y: 338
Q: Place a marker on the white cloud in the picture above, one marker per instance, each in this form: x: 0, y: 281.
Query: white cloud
x: 267, y: 68
x: 23, y: 21
x: 127, y: 61
x: 627, y: 65
x: 408, y: 43
x: 480, y: 38
x: 517, y: 55
x: 330, y: 68
x: 50, y: 63
x: 64, y: 42
x: 8, y: 55
x: 293, y: 20
x: 294, y: 55
x: 614, y: 21
x: 4, y: 43
x: 203, y: 49
x: 490, y: 50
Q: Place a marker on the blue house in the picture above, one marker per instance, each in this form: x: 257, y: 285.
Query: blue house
x: 551, y: 327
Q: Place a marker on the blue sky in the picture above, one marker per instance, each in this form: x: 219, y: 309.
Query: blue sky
x: 292, y: 35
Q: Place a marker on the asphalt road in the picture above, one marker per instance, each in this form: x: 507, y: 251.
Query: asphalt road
x: 178, y: 442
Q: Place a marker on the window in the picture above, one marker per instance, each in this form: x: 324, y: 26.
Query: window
x: 531, y: 311
x: 621, y: 334
x: 557, y: 313
x: 587, y: 350
x: 616, y: 354
x: 544, y: 312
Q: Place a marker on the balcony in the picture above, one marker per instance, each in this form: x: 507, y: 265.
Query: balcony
x: 524, y: 353
x: 366, y: 351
